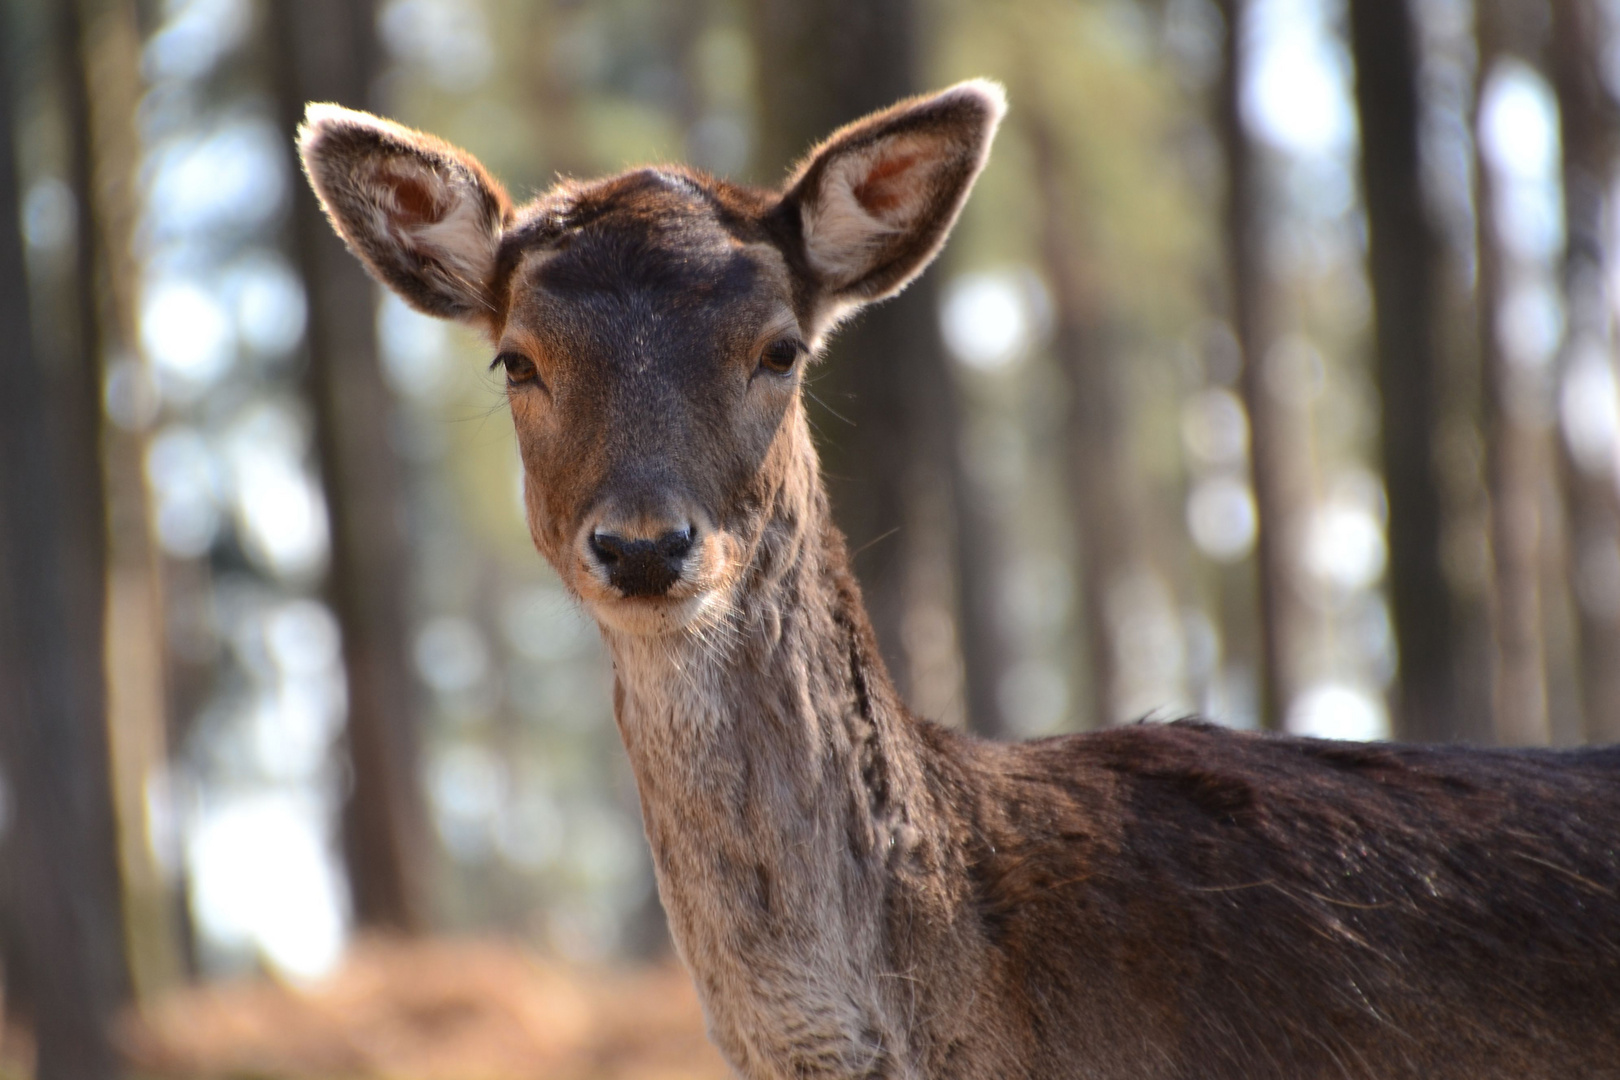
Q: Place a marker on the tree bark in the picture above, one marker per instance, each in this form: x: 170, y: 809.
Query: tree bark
x: 137, y: 713
x: 1403, y: 267
x: 1273, y: 473
x: 1587, y: 129
x: 885, y: 402
x: 552, y: 98
x: 325, y: 49
x: 62, y: 883
x: 1100, y: 502
x: 1515, y: 465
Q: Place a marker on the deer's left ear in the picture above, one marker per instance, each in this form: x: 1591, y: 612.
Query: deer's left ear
x: 877, y: 199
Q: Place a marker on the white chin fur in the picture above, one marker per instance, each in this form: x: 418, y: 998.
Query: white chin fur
x: 651, y: 617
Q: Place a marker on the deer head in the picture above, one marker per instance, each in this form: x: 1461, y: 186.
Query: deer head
x: 654, y: 326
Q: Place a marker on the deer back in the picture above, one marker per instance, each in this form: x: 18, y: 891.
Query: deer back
x: 1182, y: 901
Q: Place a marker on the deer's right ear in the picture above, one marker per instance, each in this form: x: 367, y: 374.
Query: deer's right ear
x: 424, y: 217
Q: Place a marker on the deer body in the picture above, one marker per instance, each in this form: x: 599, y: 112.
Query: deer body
x: 857, y: 892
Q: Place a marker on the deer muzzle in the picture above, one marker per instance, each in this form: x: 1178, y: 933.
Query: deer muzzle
x: 643, y: 566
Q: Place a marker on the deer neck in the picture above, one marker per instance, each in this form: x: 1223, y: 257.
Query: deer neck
x: 779, y: 779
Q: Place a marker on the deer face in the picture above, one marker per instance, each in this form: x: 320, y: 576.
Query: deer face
x: 652, y: 353
x: 653, y: 327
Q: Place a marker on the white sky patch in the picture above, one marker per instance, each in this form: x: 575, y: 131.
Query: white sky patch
x: 283, y: 514
x: 467, y: 787
x: 1298, y: 93
x: 1589, y: 408
x: 1530, y: 318
x: 231, y: 179
x: 130, y: 393
x: 1344, y: 546
x: 992, y: 320
x: 186, y: 481
x: 1336, y: 710
x: 529, y: 833
x: 293, y: 724
x: 266, y: 298
x: 1215, y: 428
x: 1519, y: 122
x: 297, y: 718
x: 49, y: 215
x: 303, y: 638
x: 1518, y: 134
x: 1149, y: 645
x: 279, y: 505
x: 196, y: 35
x: 264, y: 878
x: 163, y: 819
x: 449, y: 39
x: 451, y: 655
x: 188, y: 334
x: 1221, y: 517
x: 415, y: 349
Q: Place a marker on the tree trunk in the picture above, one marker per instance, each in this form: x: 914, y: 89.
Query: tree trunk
x: 137, y: 713
x: 885, y: 402
x: 1587, y: 128
x: 551, y: 97
x: 1273, y: 470
x: 1403, y: 267
x: 1100, y: 502
x: 326, y: 54
x: 62, y: 883
x: 1515, y: 466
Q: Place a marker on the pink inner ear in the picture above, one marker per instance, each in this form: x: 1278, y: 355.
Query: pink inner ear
x: 889, y: 182
x: 413, y: 202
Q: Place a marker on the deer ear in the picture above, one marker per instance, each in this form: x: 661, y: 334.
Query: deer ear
x: 423, y: 216
x: 877, y: 199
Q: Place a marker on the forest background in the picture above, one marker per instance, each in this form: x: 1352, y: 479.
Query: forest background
x: 1270, y: 376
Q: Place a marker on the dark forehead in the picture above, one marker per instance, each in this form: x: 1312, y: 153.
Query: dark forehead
x: 657, y: 231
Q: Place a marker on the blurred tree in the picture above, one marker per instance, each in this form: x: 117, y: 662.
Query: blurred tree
x: 1517, y: 469
x: 1587, y: 126
x: 885, y: 402
x: 65, y: 925
x: 326, y: 52
x: 1273, y: 451
x: 1095, y: 463
x: 552, y: 95
x: 1402, y: 267
x: 109, y: 68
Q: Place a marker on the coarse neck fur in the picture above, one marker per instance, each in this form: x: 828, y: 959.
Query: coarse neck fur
x: 777, y: 772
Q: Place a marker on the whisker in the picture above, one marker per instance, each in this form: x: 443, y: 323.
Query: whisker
x: 813, y: 396
x: 878, y: 539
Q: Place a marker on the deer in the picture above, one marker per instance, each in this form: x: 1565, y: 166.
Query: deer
x: 857, y: 891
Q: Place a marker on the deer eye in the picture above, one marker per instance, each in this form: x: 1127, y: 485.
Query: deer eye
x: 519, y: 368
x: 780, y: 355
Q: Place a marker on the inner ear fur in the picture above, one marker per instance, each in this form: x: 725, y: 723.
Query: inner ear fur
x: 424, y: 217
x: 877, y: 199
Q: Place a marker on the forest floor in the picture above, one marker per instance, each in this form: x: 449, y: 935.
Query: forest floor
x: 438, y: 1009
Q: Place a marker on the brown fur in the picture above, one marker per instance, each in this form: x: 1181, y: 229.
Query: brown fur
x: 859, y: 893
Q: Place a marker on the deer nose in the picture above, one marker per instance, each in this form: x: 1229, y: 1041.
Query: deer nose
x: 643, y: 567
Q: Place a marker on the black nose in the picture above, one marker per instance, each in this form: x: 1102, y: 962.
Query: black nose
x: 643, y: 567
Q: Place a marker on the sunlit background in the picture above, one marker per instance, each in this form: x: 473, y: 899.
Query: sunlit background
x: 1101, y: 217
